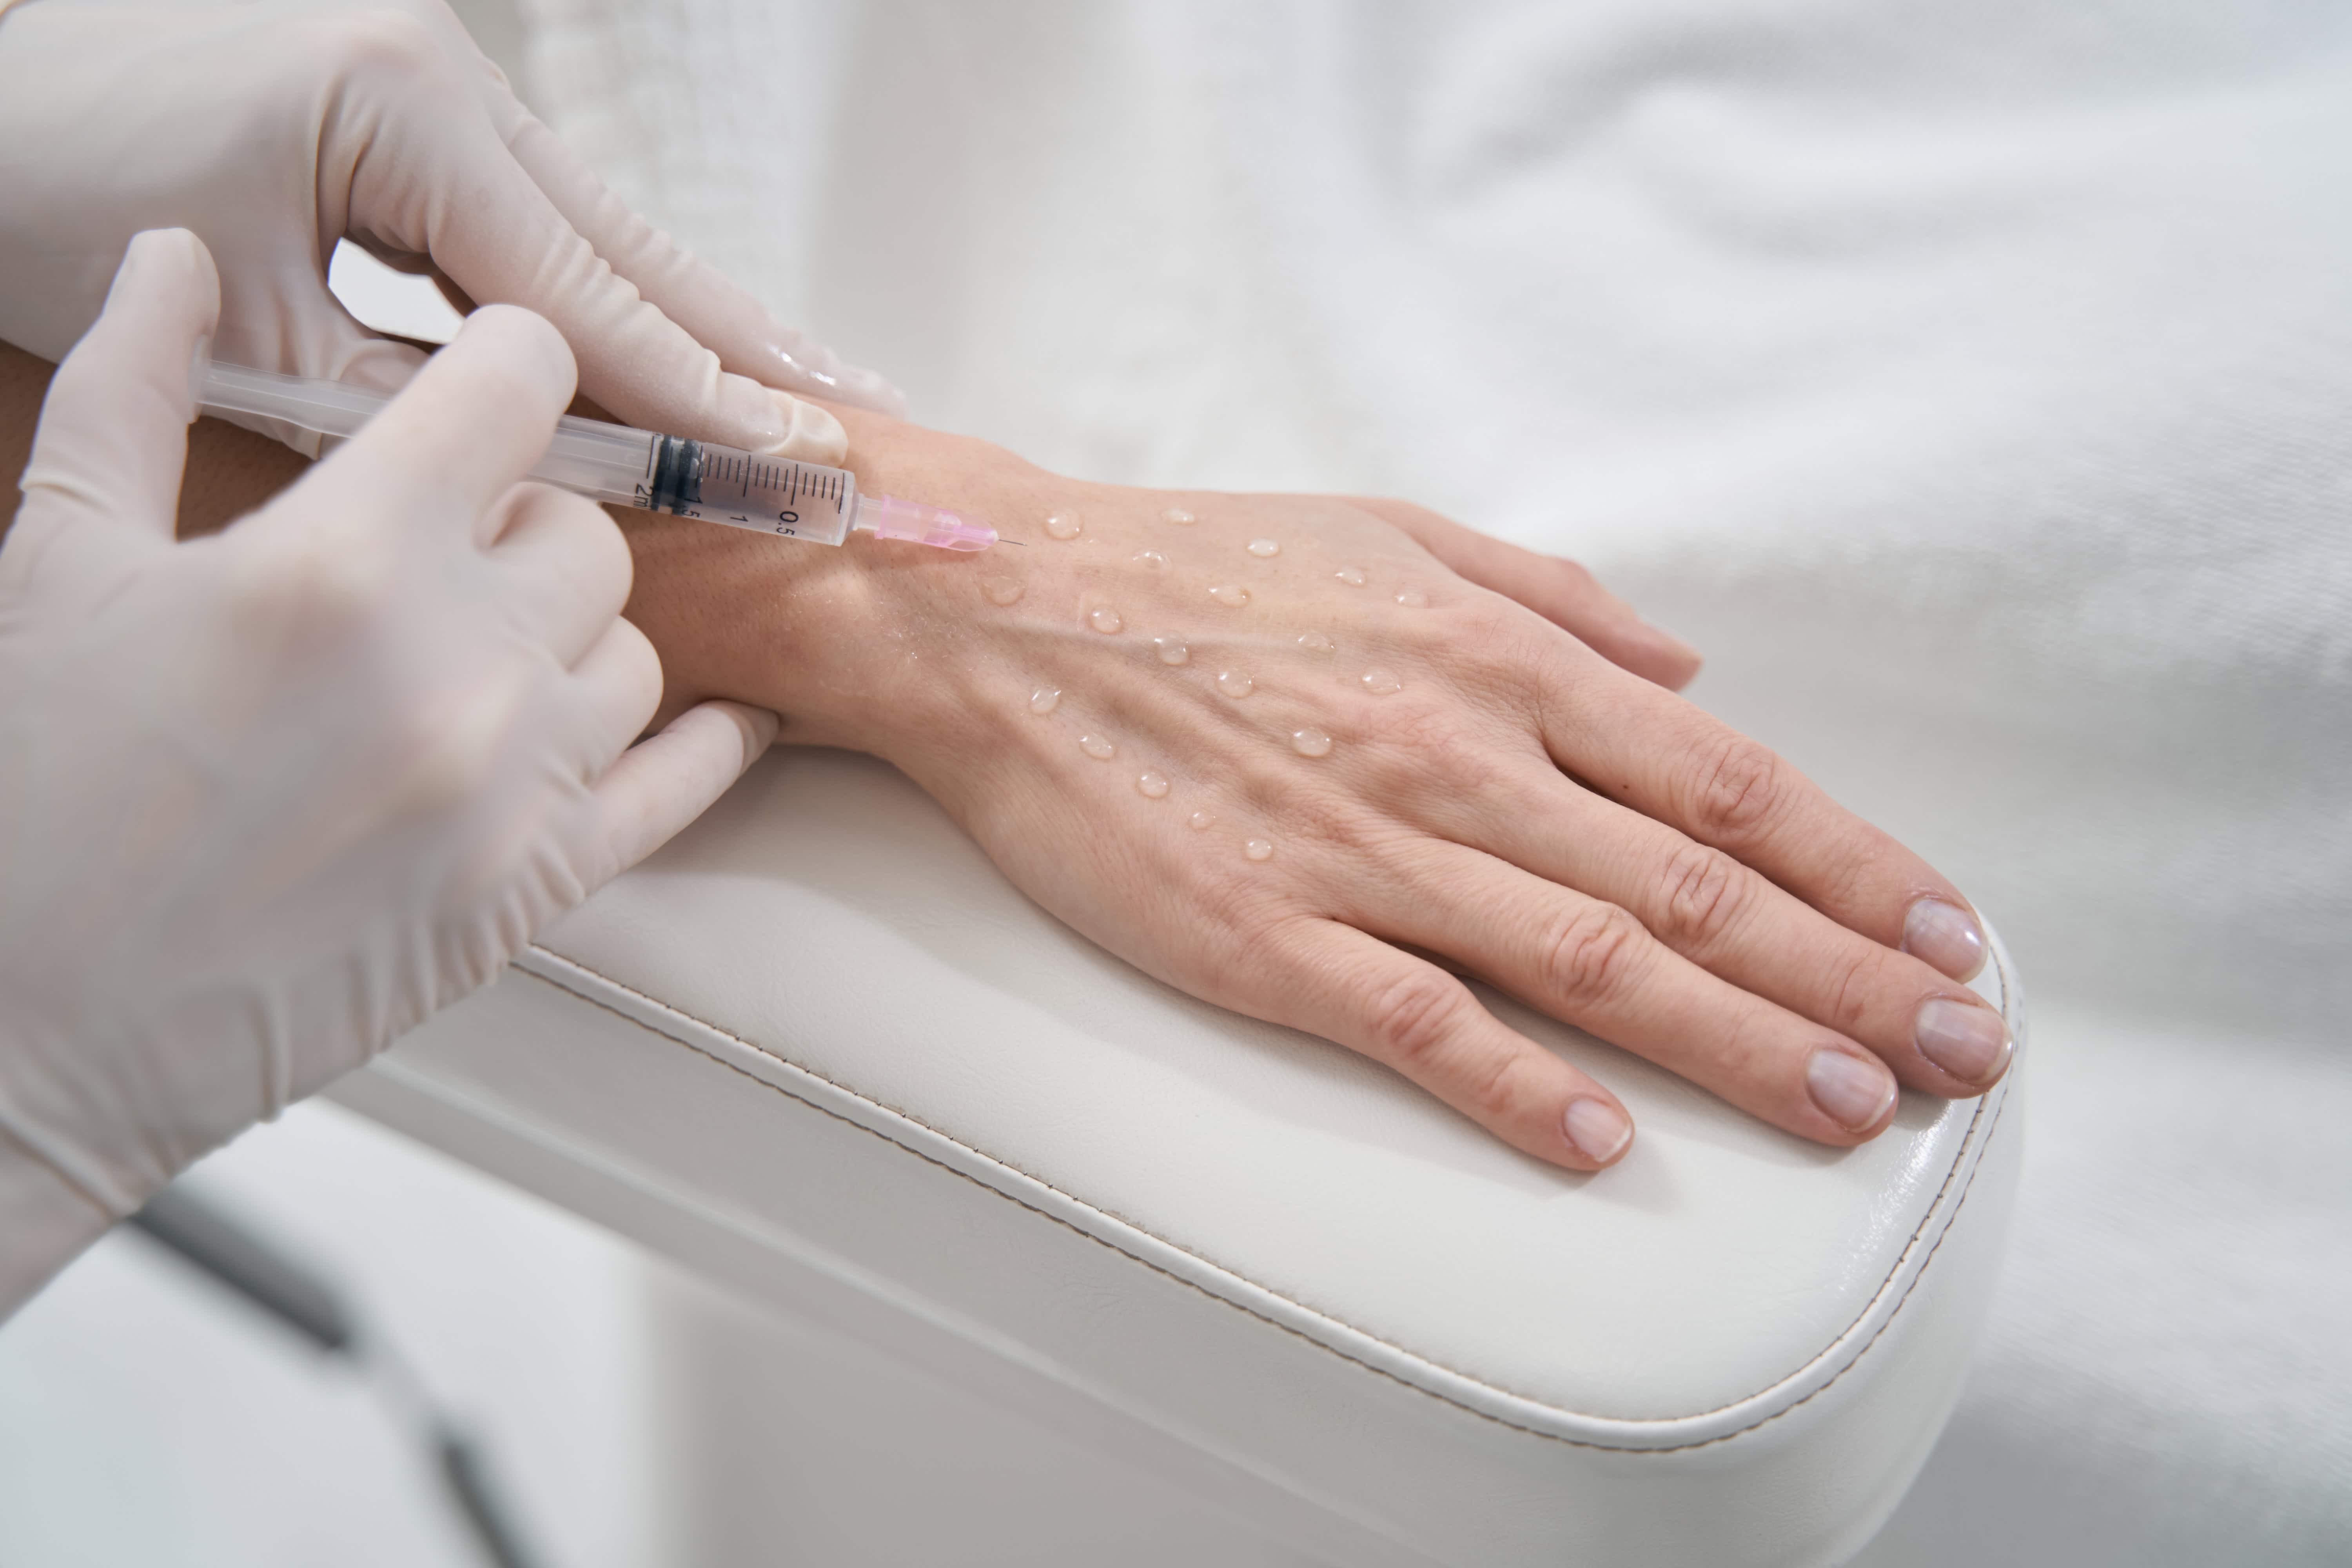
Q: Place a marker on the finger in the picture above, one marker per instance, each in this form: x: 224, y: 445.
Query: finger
x: 296, y: 326
x: 1560, y: 590
x: 113, y: 435
x: 618, y: 681
x: 1407, y: 1013
x: 430, y: 173
x: 466, y: 429
x: 1591, y: 964
x: 1649, y: 750
x: 565, y: 566
x: 1936, y: 1036
x: 660, y: 785
x: 713, y: 311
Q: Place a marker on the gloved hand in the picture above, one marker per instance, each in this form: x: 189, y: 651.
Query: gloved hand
x: 269, y: 798
x: 273, y: 130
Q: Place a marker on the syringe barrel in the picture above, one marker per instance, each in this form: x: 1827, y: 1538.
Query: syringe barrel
x: 768, y: 495
x: 607, y: 462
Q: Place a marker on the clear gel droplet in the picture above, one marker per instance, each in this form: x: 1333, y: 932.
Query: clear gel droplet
x: 1412, y: 598
x: 1310, y: 743
x: 1044, y: 699
x: 1232, y: 594
x: 1258, y: 848
x: 1152, y: 786
x: 1170, y: 651
x: 1234, y: 683
x: 1262, y: 547
x: 1352, y: 575
x: 1381, y: 683
x: 1098, y: 747
x: 1179, y: 516
x: 1201, y: 821
x: 1000, y: 590
x: 1315, y: 642
x: 1104, y: 619
x: 1065, y: 525
x: 1152, y: 560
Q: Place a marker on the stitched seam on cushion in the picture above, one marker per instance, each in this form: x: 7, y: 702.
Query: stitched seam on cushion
x: 1293, y: 1331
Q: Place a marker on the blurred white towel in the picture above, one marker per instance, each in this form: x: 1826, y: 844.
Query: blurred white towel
x: 1973, y: 380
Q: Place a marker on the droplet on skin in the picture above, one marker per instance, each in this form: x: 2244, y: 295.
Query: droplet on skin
x: 1381, y: 683
x: 1315, y: 642
x: 1170, y: 651
x: 1201, y: 821
x: 1258, y: 848
x: 1104, y: 619
x: 1232, y: 594
x: 1179, y: 516
x: 1352, y: 575
x: 1150, y: 785
x: 1044, y: 699
x: 1234, y: 683
x: 1262, y: 547
x: 1412, y: 598
x: 1152, y: 560
x: 1310, y: 743
x: 1000, y: 590
x: 1065, y: 525
x: 1098, y: 747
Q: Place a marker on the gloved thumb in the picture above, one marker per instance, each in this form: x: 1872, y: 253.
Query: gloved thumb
x: 114, y: 436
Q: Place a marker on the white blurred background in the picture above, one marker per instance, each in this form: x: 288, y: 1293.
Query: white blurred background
x: 1972, y: 383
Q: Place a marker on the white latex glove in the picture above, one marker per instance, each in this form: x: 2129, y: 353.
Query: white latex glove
x: 269, y: 798
x: 273, y: 130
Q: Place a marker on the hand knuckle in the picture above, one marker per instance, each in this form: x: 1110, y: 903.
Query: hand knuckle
x: 1411, y: 1018
x: 1495, y: 1089
x: 315, y: 581
x: 1849, y: 993
x: 1737, y: 790
x: 1589, y: 953
x: 1702, y: 894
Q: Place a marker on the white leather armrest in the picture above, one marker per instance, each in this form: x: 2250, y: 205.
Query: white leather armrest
x: 818, y: 1047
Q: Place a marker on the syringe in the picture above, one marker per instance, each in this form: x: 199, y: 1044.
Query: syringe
x: 631, y: 468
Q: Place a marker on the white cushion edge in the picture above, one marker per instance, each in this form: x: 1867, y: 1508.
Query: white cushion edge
x: 1658, y: 1435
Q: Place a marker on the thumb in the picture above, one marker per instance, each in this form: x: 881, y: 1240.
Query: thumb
x: 113, y: 435
x: 660, y: 785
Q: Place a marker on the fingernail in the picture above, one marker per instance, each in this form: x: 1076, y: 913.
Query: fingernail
x: 811, y: 434
x: 1850, y: 1091
x: 1945, y: 936
x: 1598, y: 1129
x: 1967, y: 1041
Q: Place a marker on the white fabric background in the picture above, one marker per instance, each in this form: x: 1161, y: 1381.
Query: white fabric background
x: 1972, y: 381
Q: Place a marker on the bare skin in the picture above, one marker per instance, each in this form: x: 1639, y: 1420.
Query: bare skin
x: 1518, y: 807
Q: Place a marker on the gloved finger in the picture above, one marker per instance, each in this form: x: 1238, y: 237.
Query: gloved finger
x: 434, y: 176
x: 697, y: 296
x: 565, y: 567
x: 292, y: 323
x: 1560, y: 590
x: 618, y: 684
x: 660, y: 785
x: 466, y: 427
x: 113, y: 435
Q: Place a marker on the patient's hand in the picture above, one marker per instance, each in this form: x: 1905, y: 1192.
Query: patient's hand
x: 1277, y: 776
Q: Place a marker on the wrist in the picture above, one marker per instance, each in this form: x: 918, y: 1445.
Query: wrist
x: 861, y: 646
